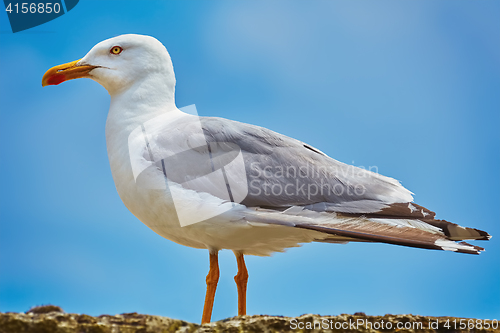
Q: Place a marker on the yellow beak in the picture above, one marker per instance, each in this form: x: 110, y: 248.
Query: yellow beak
x: 65, y: 72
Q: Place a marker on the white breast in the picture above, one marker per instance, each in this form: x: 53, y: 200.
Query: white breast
x: 143, y: 188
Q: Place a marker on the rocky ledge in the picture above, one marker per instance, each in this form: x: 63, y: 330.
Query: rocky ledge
x: 51, y: 319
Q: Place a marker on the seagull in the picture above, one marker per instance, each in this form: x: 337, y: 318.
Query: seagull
x: 215, y: 184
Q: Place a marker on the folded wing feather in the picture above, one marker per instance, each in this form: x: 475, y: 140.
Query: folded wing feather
x: 291, y: 183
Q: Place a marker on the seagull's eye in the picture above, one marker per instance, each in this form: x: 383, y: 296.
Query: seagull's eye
x: 116, y: 50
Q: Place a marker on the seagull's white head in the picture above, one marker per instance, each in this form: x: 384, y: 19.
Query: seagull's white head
x: 119, y: 64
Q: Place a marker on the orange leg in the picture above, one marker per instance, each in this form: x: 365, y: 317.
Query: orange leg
x: 241, y: 281
x: 212, y: 279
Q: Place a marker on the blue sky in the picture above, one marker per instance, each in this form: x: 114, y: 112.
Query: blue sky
x: 411, y: 88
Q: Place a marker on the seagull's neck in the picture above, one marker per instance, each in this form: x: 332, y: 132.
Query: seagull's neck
x: 142, y: 101
x: 138, y: 104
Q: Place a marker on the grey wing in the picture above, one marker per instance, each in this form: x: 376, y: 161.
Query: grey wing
x: 289, y: 183
x: 283, y: 172
x: 300, y: 186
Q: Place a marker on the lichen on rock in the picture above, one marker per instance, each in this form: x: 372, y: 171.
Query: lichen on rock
x: 52, y: 319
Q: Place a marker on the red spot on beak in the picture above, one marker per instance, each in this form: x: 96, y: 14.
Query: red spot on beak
x: 55, y: 79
